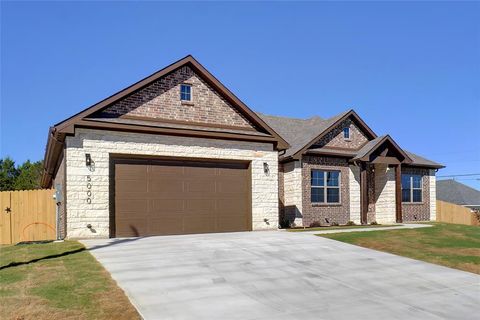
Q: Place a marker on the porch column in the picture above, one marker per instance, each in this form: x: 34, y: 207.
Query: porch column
x: 363, y: 193
x: 398, y: 193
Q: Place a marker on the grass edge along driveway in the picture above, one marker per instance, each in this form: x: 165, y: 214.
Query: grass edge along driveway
x: 451, y: 245
x: 58, y: 281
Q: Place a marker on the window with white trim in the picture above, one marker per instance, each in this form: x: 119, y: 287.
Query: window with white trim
x: 325, y: 186
x: 186, y: 92
x: 346, y: 133
x: 412, y: 188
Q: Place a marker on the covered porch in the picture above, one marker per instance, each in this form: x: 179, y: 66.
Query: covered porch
x: 379, y: 167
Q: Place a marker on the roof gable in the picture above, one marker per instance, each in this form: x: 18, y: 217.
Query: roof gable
x: 335, y: 139
x: 302, y: 134
x: 330, y: 124
x: 383, y: 147
x: 242, y: 114
x: 160, y: 101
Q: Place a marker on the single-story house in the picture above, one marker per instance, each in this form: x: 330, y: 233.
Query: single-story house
x: 177, y: 152
x: 455, y: 192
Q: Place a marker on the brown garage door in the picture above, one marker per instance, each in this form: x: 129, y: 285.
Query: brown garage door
x: 154, y: 197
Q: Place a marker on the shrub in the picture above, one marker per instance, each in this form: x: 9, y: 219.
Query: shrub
x: 334, y: 224
x: 315, y: 224
x: 373, y: 223
x: 350, y: 223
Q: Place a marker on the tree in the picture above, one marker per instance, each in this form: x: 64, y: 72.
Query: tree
x: 8, y: 174
x: 24, y: 177
x: 29, y: 175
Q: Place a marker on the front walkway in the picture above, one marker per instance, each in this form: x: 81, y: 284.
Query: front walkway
x: 395, y: 227
x: 281, y: 275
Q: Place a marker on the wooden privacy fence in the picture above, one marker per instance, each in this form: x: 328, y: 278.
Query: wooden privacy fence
x: 453, y: 213
x: 27, y: 215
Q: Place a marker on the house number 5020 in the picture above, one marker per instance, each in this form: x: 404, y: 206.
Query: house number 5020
x: 89, y: 191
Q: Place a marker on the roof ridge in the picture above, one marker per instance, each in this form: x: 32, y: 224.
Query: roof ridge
x: 289, y: 118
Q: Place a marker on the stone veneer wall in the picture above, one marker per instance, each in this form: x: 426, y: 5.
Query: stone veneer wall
x: 311, y: 212
x: 433, y: 195
x: 418, y: 211
x: 335, y: 137
x: 354, y: 181
x: 161, y: 100
x: 100, y: 144
x: 293, y: 206
x: 385, y: 206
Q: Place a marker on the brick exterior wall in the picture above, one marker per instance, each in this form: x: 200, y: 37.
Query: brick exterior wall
x: 371, y: 193
x: 335, y: 137
x: 418, y: 211
x: 433, y: 195
x: 339, y: 213
x: 100, y: 144
x: 161, y: 100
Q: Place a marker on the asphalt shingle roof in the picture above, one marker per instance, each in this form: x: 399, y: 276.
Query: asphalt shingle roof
x: 455, y: 192
x: 299, y: 132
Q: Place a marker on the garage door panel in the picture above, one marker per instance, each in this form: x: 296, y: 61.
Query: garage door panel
x: 232, y: 186
x: 168, y: 185
x: 231, y: 223
x: 179, y: 197
x: 131, y: 171
x: 232, y: 172
x: 200, y: 185
x: 200, y: 205
x: 166, y: 225
x: 168, y: 205
x: 159, y: 171
x: 128, y: 186
x: 200, y: 171
x: 136, y: 228
x: 226, y: 206
x: 199, y: 224
x: 132, y: 205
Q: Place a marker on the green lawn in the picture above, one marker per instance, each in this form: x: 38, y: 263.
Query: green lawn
x: 58, y: 281
x: 340, y: 227
x: 452, y: 245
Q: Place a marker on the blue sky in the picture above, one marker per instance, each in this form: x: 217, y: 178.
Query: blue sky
x: 409, y: 69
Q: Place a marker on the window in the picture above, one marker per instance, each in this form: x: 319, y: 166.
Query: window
x: 346, y: 133
x: 411, y: 188
x: 186, y: 92
x: 325, y: 186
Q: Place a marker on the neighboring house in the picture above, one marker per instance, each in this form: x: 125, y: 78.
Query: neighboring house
x: 177, y: 152
x: 455, y: 192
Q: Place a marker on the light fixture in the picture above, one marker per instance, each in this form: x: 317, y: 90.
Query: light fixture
x: 266, y: 168
x: 88, y: 159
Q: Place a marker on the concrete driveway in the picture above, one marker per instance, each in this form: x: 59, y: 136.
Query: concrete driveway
x: 281, y: 275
